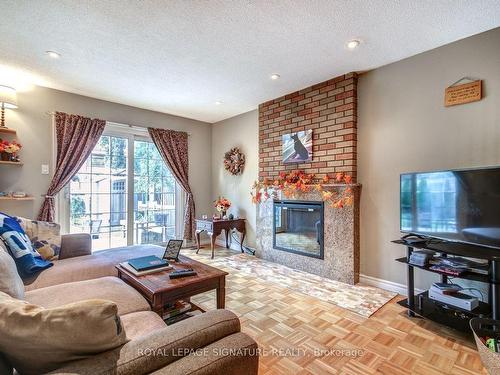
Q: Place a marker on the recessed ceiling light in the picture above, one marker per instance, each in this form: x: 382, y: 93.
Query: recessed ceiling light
x: 353, y: 44
x: 275, y: 76
x: 218, y: 102
x: 53, y: 54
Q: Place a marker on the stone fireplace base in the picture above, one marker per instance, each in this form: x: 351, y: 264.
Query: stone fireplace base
x: 341, y: 240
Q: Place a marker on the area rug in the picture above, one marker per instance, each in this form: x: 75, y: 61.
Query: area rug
x: 362, y: 300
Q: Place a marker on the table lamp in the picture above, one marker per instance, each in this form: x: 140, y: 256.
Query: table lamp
x: 7, y: 100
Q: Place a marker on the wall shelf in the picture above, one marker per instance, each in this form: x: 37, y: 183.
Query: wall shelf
x: 16, y: 199
x: 18, y: 163
x: 7, y: 130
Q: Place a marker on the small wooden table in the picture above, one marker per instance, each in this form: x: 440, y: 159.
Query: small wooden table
x: 214, y: 228
x: 159, y: 290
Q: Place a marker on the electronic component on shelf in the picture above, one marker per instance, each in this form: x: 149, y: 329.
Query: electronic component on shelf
x: 460, y: 300
x: 461, y: 264
x: 421, y: 257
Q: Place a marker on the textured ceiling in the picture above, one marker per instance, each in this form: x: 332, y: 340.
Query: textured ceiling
x: 180, y: 56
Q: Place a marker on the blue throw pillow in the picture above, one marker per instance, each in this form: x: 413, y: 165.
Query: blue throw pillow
x: 27, y: 259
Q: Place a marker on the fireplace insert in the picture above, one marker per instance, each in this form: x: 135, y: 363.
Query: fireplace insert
x: 298, y: 227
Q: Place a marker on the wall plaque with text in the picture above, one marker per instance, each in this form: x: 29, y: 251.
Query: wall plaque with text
x: 461, y: 94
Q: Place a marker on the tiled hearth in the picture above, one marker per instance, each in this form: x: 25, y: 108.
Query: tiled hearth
x: 341, y: 240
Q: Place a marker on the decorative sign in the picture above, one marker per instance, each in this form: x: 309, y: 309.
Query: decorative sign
x: 461, y: 94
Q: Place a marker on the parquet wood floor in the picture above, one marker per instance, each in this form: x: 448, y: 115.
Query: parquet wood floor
x: 299, y: 334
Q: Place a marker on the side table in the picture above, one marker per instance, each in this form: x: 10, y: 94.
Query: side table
x: 214, y: 228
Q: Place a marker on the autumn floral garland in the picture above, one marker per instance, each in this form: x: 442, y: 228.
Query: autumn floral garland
x: 298, y: 182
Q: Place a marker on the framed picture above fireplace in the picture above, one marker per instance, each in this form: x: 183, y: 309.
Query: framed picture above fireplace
x: 297, y: 147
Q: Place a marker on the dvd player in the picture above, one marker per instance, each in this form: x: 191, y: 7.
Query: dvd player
x: 460, y: 300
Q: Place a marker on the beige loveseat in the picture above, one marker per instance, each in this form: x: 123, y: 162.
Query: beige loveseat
x: 154, y: 348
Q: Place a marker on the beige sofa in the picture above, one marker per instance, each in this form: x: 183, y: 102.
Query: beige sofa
x: 153, y: 347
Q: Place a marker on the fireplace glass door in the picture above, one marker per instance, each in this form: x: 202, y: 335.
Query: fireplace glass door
x: 298, y: 227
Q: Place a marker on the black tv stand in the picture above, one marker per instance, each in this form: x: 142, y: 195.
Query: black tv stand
x: 412, y: 235
x: 452, y: 316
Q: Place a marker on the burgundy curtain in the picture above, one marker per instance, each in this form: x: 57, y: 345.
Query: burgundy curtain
x: 173, y: 147
x: 76, y: 137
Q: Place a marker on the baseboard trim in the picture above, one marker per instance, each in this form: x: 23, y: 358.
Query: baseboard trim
x: 385, y: 284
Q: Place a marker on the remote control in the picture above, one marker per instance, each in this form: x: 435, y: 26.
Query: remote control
x: 183, y: 273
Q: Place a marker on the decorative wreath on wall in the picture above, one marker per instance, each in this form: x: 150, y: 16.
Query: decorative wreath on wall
x: 234, y: 161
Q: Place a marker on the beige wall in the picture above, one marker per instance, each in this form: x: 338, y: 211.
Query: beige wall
x: 34, y: 132
x: 240, y: 131
x: 404, y: 127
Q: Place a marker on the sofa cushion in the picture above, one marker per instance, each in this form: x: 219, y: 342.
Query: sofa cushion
x: 36, y: 340
x: 108, y: 288
x: 99, y: 264
x: 161, y: 347
x: 45, y: 237
x: 141, y: 323
x: 10, y: 282
x: 75, y: 245
x: 236, y: 354
x: 28, y: 261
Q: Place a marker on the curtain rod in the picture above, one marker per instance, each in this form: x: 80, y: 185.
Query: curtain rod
x: 142, y: 128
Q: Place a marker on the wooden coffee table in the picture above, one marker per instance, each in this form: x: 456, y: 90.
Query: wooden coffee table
x: 160, y: 290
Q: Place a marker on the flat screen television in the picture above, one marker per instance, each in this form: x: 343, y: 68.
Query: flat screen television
x: 456, y: 205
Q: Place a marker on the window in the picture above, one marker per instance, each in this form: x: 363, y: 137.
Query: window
x: 123, y: 194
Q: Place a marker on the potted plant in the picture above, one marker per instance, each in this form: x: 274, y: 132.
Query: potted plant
x: 8, y: 150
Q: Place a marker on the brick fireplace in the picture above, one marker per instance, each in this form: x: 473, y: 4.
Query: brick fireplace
x: 330, y: 110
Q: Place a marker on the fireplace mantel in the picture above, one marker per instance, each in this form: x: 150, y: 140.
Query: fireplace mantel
x: 341, y: 239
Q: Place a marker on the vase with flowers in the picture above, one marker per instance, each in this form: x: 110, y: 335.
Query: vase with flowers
x: 8, y: 150
x: 222, y: 205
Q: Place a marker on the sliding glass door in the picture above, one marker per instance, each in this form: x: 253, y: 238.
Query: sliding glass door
x: 98, y: 194
x: 154, y: 196
x: 124, y: 194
